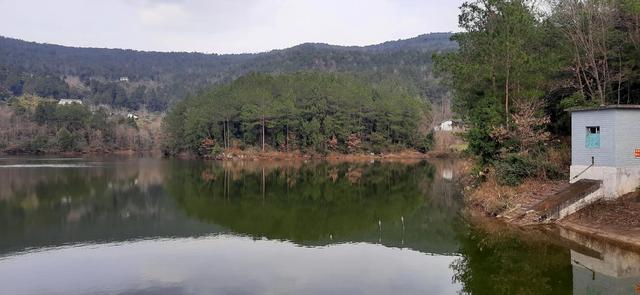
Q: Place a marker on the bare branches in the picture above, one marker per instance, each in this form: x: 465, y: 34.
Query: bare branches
x: 589, y: 25
x: 528, y: 129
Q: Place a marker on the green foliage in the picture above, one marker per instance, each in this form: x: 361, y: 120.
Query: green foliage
x: 66, y: 141
x: 72, y: 127
x: 299, y: 111
x: 510, y: 53
x: 71, y: 117
x: 514, y: 169
x: 158, y: 80
x: 38, y: 144
x: 576, y: 100
x: 426, y: 142
x: 502, y: 58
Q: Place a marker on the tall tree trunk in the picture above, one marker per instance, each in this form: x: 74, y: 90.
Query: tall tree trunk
x: 263, y: 133
x: 229, y: 134
x: 506, y: 91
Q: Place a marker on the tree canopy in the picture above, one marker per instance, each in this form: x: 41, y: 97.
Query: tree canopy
x: 157, y: 80
x: 513, y: 53
x: 302, y: 111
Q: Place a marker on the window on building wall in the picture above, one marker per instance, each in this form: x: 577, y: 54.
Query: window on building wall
x: 593, y: 137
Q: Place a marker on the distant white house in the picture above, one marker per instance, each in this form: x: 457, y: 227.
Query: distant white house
x: 132, y: 116
x: 445, y: 126
x: 65, y: 101
x: 124, y: 79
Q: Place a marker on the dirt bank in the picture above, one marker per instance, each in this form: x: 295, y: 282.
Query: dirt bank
x: 614, y: 221
x: 617, y: 220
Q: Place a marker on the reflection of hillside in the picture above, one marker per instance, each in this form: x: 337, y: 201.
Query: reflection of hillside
x: 309, y: 203
x: 108, y: 200
x: 319, y: 203
x: 87, y: 177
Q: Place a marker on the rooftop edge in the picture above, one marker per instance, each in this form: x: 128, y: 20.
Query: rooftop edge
x: 605, y: 107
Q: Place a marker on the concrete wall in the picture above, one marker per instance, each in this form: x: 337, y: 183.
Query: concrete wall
x: 584, y: 202
x: 616, y: 181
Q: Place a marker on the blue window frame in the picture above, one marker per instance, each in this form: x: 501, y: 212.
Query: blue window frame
x: 593, y: 137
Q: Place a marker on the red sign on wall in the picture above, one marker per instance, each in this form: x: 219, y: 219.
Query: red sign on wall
x: 638, y: 153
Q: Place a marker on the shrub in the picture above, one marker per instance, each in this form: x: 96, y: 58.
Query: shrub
x: 216, y: 151
x: 37, y: 145
x: 66, y: 141
x: 426, y: 142
x: 513, y: 169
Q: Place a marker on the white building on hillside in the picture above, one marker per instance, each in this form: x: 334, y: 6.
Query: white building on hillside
x: 449, y: 125
x: 69, y: 101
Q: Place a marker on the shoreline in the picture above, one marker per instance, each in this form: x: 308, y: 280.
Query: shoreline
x: 618, y: 239
x: 616, y: 222
x: 250, y: 155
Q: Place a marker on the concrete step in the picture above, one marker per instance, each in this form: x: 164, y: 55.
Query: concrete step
x: 555, y: 207
x: 523, y: 213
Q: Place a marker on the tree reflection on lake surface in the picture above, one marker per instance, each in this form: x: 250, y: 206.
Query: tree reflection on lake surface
x: 157, y: 226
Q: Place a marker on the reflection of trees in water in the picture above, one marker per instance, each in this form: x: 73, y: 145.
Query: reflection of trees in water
x: 112, y: 200
x: 497, y: 259
x: 309, y: 203
x: 505, y: 262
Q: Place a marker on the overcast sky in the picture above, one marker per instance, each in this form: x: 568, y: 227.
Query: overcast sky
x: 222, y: 26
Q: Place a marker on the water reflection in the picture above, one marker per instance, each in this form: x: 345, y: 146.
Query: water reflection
x: 318, y: 204
x: 499, y: 260
x: 113, y: 200
x: 396, y: 204
x: 227, y: 264
x: 603, y: 268
x: 141, y: 226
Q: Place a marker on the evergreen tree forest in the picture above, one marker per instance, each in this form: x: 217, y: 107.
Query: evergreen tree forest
x: 318, y: 112
x: 522, y: 63
x: 155, y: 81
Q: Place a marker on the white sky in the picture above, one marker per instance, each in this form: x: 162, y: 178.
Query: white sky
x: 222, y: 26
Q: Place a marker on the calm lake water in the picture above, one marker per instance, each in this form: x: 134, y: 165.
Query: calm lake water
x: 157, y: 226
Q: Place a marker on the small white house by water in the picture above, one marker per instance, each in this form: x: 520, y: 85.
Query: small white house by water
x: 605, y: 146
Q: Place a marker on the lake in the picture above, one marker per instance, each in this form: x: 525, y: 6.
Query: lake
x: 160, y: 226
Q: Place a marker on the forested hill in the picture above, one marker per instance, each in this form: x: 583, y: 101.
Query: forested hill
x: 158, y: 79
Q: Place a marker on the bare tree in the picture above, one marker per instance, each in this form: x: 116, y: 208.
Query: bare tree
x: 589, y: 24
x: 529, y: 126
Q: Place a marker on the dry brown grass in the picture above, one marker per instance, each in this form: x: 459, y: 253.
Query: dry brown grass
x: 494, y: 199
